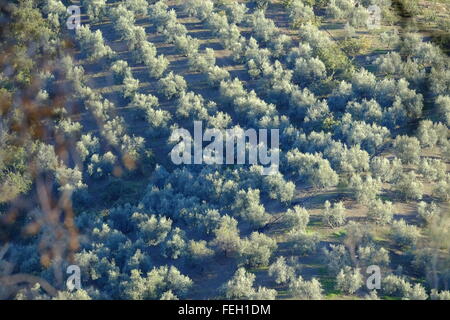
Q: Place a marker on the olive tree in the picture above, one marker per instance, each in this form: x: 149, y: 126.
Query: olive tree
x: 336, y: 258
x: 409, y: 186
x: 380, y: 211
x: 367, y: 189
x: 427, y: 211
x: 334, y: 216
x: 226, y: 236
x: 240, y: 286
x: 303, y: 242
x: 121, y: 70
x: 312, y: 168
x: 198, y: 252
x: 281, y: 271
x: 138, y: 7
x: 296, y: 218
x: 95, y: 9
x: 278, y: 188
x: 349, y: 280
x: 404, y: 235
x: 257, y: 250
x: 432, y: 169
x: 305, y: 290
x: 172, y: 85
x: 443, y: 104
x: 407, y: 149
x: 201, y: 9
x: 247, y: 206
x: 175, y: 245
x: 155, y: 283
x: 371, y: 255
x: 235, y: 11
x: 93, y: 43
x: 431, y: 134
x: 264, y: 29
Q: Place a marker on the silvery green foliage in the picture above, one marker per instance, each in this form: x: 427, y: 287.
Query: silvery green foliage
x: 366, y: 189
x: 263, y: 293
x: 264, y: 29
x: 202, y: 62
x: 156, y: 283
x: 305, y: 290
x: 281, y: 271
x: 339, y: 9
x: 443, y: 104
x: 442, y: 189
x: 188, y: 46
x: 372, y: 295
x: 172, y: 85
x: 121, y: 70
x: 193, y: 106
x: 198, y: 252
x: 262, y: 4
x: 369, y: 137
x: 300, y: 12
x: 440, y: 81
x: 235, y: 11
x: 428, y: 211
x: 439, y: 295
x: 201, y: 9
x: 93, y: 44
x: 371, y: 255
x: 216, y: 75
x: 101, y: 165
x: 296, y: 218
x: 175, y: 245
x: 278, y: 188
x: 312, y: 168
x: 130, y: 86
x: 280, y: 45
x: 358, y: 17
x: 226, y: 236
x: 385, y: 169
x: 334, y: 216
x: 407, y: 149
x: 303, y: 242
x: 55, y: 7
x: 432, y: 169
x: 409, y: 186
x: 431, y: 134
x: 309, y: 71
x: 152, y: 229
x: 240, y: 287
x: 247, y: 206
x: 336, y: 258
x: 395, y: 286
x: 368, y: 110
x: 87, y: 145
x: 404, y: 235
x: 95, y: 9
x: 416, y: 292
x: 168, y: 295
x: 390, y: 38
x: 138, y: 7
x: 256, y: 250
x: 380, y: 211
x: 349, y: 280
